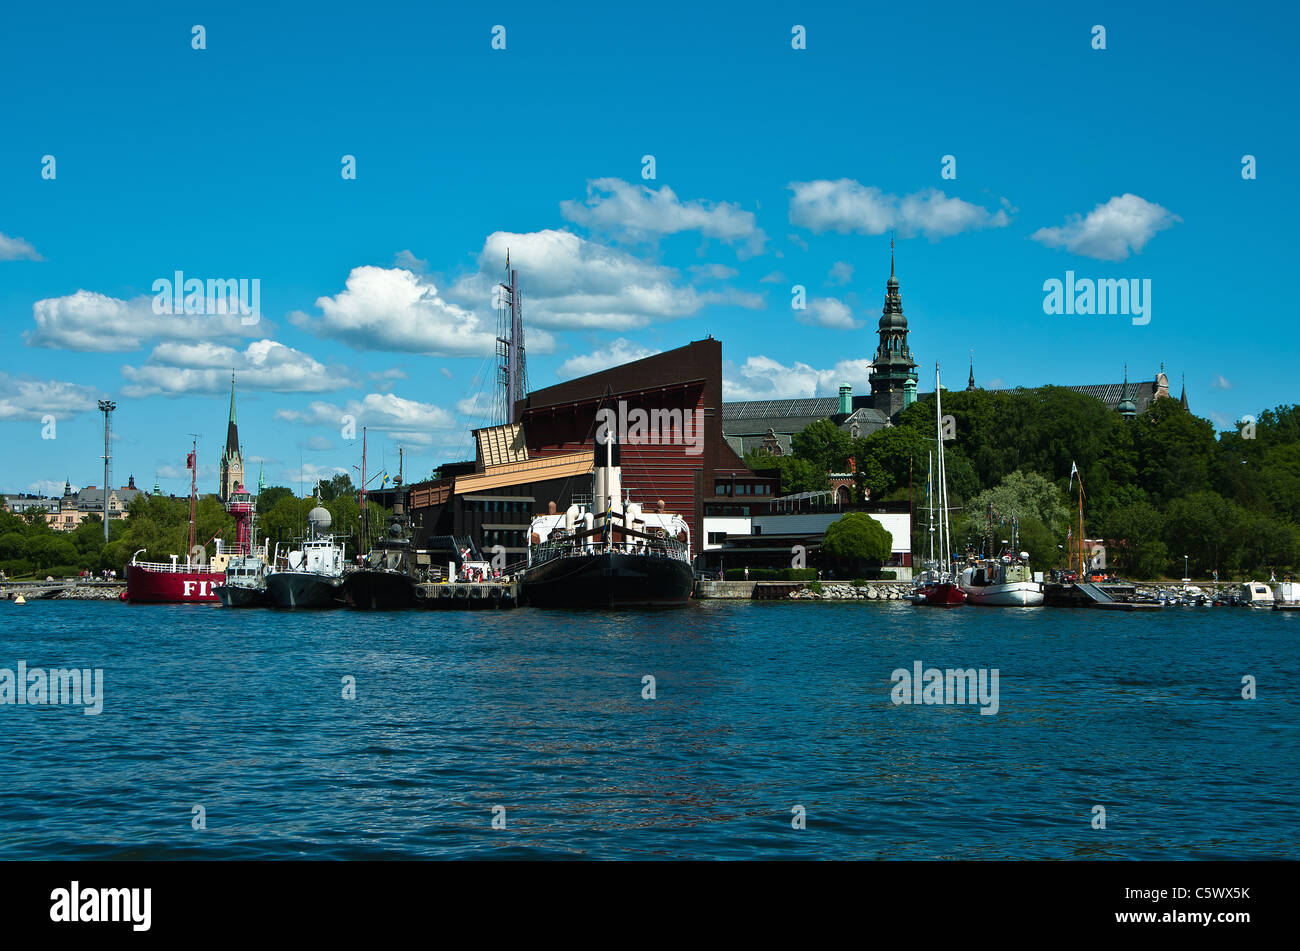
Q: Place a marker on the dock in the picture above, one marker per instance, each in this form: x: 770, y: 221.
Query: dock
x: 1087, y: 594
x: 468, y: 595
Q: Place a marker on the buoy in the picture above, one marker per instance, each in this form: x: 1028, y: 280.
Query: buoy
x: 19, y: 599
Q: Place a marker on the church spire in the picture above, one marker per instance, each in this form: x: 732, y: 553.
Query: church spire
x: 232, y: 460
x: 892, y: 368
x: 1183, y: 399
x: 970, y: 383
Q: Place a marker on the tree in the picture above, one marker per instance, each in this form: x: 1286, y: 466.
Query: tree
x: 1024, y: 495
x: 889, y: 457
x: 857, y: 538
x: 1205, y: 527
x: 824, y: 445
x: 337, y: 486
x: 1135, y: 531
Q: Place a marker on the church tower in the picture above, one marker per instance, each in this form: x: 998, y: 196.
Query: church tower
x: 893, y: 366
x: 232, y: 460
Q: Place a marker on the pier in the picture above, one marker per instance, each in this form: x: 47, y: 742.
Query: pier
x: 468, y: 595
x: 67, y: 589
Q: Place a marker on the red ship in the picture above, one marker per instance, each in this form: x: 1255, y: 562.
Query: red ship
x: 194, y: 580
x: 158, y: 583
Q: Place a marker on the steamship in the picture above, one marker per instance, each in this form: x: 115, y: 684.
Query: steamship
x: 610, y: 553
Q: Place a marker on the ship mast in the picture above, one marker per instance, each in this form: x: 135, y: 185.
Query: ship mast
x: 194, y: 482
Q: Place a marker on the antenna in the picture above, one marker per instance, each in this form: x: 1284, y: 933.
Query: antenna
x: 106, y: 407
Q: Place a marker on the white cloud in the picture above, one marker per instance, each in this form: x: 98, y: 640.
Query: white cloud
x: 1220, y: 382
x: 478, y: 406
x: 762, y: 378
x: 16, y: 249
x: 397, y: 310
x: 95, y: 323
x: 847, y: 206
x: 309, y: 475
x: 205, y: 368
x: 1111, y: 230
x: 383, y: 376
x: 618, y: 352
x: 776, y: 277
x: 827, y: 312
x: 31, y: 400
x: 409, y: 261
x: 717, y: 272
x: 638, y: 212
x: 47, y: 488
x: 572, y: 283
x: 382, y: 411
x: 317, y: 444
x: 841, y: 272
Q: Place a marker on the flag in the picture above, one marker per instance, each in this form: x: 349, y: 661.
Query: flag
x: 189, y: 460
x: 1069, y: 533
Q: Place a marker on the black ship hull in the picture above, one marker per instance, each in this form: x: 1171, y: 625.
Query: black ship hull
x: 373, y: 590
x: 608, y: 580
x: 300, y: 589
x: 233, y: 596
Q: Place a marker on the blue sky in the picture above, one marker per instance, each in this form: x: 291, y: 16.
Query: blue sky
x: 773, y: 167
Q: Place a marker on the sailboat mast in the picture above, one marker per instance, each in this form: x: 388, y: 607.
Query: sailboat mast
x: 943, y: 480
x: 929, y: 498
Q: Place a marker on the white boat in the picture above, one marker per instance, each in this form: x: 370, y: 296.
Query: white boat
x: 1256, y: 594
x: 1286, y: 592
x: 1002, y: 582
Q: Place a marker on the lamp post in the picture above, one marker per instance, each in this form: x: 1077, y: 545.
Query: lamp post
x: 1186, y: 577
x: 106, y: 407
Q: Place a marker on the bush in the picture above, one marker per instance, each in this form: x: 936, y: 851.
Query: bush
x: 815, y: 587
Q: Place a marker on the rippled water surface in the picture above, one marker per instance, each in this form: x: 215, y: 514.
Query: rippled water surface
x: 759, y: 708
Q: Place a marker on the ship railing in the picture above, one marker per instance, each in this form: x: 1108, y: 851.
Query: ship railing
x: 570, y: 548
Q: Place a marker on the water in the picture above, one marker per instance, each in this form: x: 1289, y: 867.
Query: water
x: 759, y: 708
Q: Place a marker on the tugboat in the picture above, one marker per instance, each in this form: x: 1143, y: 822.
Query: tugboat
x: 386, y: 578
x: 245, y: 581
x: 312, y: 576
x: 610, y: 553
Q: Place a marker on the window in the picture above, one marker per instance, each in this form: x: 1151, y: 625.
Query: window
x: 717, y: 538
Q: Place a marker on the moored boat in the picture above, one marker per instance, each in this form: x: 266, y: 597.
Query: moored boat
x: 610, y: 553
x: 194, y: 582
x: 1002, y: 582
x: 312, y: 575
x: 387, y: 576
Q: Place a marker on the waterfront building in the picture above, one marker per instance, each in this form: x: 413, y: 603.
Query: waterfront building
x: 682, y: 463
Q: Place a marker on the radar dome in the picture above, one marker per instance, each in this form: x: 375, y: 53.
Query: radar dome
x: 320, y: 519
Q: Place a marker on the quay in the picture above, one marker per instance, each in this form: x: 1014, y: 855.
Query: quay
x: 468, y: 594
x: 67, y: 589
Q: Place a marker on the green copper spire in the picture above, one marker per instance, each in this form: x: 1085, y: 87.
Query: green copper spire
x: 261, y: 478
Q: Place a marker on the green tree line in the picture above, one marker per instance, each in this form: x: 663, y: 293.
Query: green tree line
x: 1157, y: 487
